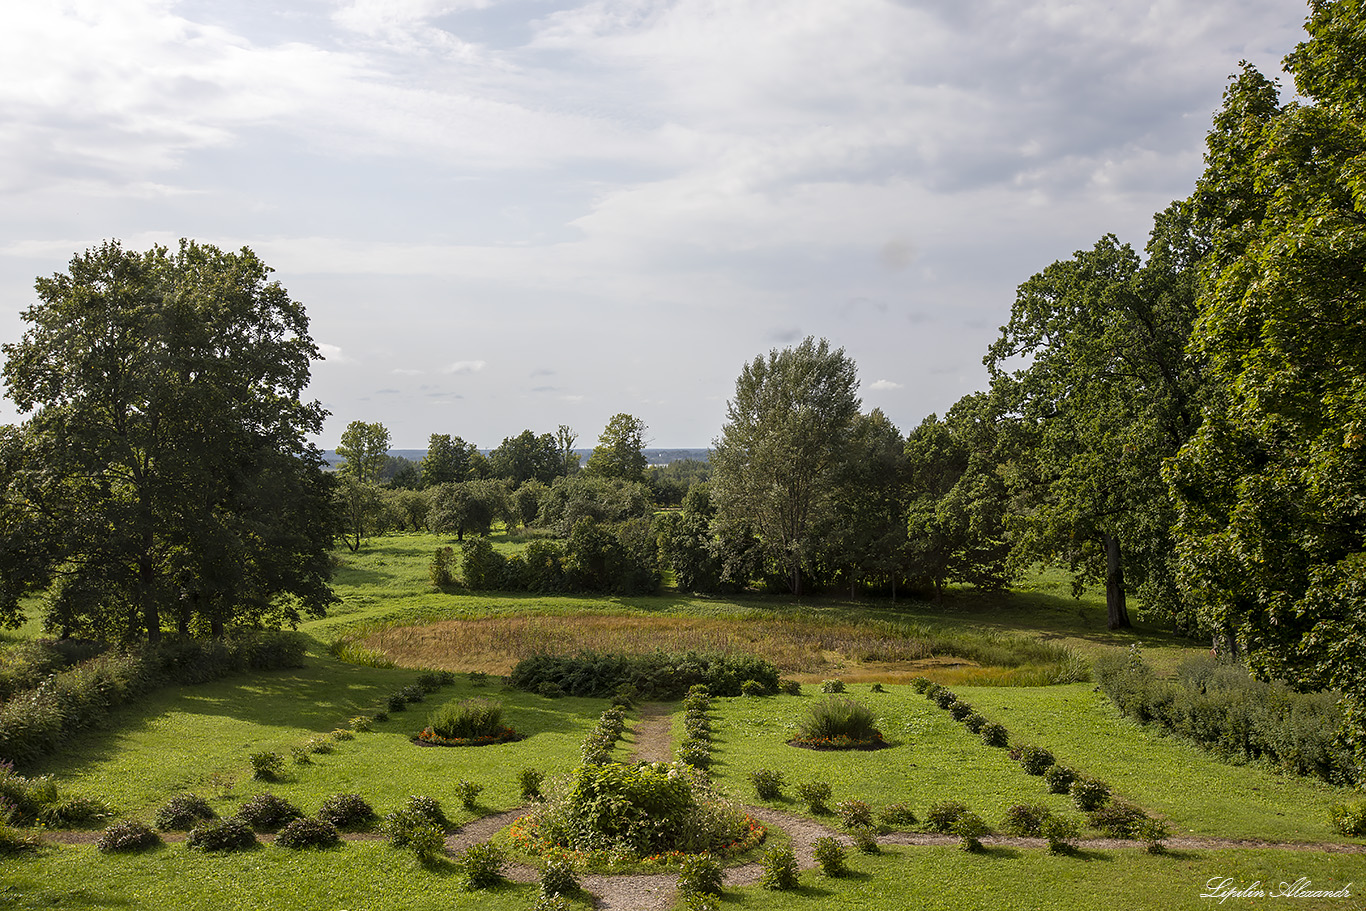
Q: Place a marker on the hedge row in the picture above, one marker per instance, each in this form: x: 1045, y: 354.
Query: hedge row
x: 1219, y: 706
x: 656, y: 675
x: 36, y: 721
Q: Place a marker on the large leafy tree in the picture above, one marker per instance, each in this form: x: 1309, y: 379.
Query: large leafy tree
x: 620, y: 452
x: 528, y: 457
x: 365, y: 447
x: 866, y: 537
x: 449, y: 459
x: 1272, y: 489
x: 781, y: 451
x: 1091, y: 379
x: 162, y: 476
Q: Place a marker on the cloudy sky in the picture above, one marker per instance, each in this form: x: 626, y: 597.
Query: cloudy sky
x: 511, y: 214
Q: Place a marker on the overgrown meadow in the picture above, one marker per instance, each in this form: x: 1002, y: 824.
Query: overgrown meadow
x: 1018, y: 659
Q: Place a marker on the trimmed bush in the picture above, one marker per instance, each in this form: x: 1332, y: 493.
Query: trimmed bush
x: 655, y: 675
x: 974, y: 723
x: 865, y: 840
x: 127, y: 837
x: 267, y: 813
x: 1089, y: 793
x: 969, y: 827
x: 408, y: 828
x: 482, y: 865
x: 467, y: 719
x: 944, y: 698
x: 221, y: 835
x: 1026, y: 820
x: 347, y: 812
x: 789, y: 687
x: 959, y: 711
x: 899, y: 815
x: 308, y: 833
x: 1152, y: 832
x: 467, y: 792
x: 700, y: 874
x: 876, y: 688
x: 1035, y: 760
x: 1349, y: 819
x: 362, y: 723
x: 830, y: 856
x: 753, y: 688
x: 267, y: 765
x: 1061, y: 832
x: 995, y: 735
x: 920, y: 684
x: 183, y: 812
x: 558, y: 877
x: 429, y: 808
x: 816, y: 796
x: 832, y: 686
x: 397, y: 702
x: 768, y: 783
x: 529, y: 780
x: 1117, y: 819
x: 1059, y: 779
x: 779, y: 868
x: 854, y: 814
x: 942, y: 816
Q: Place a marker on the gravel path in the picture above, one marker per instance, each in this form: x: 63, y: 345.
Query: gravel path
x: 653, y: 734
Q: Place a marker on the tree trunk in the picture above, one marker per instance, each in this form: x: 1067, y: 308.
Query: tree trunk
x: 1114, y: 584
x: 151, y: 617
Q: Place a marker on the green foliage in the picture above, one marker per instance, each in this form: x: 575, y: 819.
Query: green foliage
x: 426, y: 808
x: 221, y: 835
x: 969, y: 827
x: 183, y: 812
x: 839, y: 721
x: 1089, y: 793
x: 1026, y: 820
x: 1350, y: 819
x: 414, y: 828
x: 854, y: 814
x: 164, y: 477
x: 481, y: 865
x: 655, y: 675
x: 127, y: 837
x: 529, y: 782
x: 899, y: 815
x: 1035, y: 760
x: 467, y: 718
x: 1059, y: 779
x: 1061, y: 832
x: 789, y: 687
x: 1218, y: 705
x: 700, y: 874
x: 441, y: 570
x: 307, y: 832
x: 865, y: 840
x: 995, y: 735
x: 830, y: 855
x: 768, y: 783
x: 267, y: 812
x: 558, y: 876
x: 974, y: 722
x: 267, y: 765
x: 1117, y: 819
x: 944, y: 698
x: 1152, y: 832
x: 620, y: 450
x: 754, y: 688
x: 816, y: 795
x: 642, y: 808
x: 779, y: 868
x: 347, y: 812
x: 943, y: 816
x: 467, y: 792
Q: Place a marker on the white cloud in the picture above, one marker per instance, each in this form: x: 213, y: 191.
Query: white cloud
x: 883, y: 385
x: 464, y: 367
x: 332, y: 354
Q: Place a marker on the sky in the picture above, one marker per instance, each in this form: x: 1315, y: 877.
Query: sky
x: 514, y: 214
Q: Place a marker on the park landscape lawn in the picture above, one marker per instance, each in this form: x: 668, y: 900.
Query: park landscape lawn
x: 199, y: 738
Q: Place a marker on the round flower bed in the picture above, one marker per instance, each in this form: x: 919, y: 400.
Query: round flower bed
x: 838, y: 723
x: 430, y: 738
x: 841, y: 742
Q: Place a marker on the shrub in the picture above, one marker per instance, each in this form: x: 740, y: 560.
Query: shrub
x: 789, y: 687
x: 1026, y: 820
x: 960, y: 711
x: 830, y: 855
x: 412, y: 693
x: 347, y: 811
x: 1059, y: 779
x: 551, y: 901
x: 1152, y: 832
x: 342, y: 734
x: 655, y: 675
x: 301, y: 756
x: 557, y: 878
x: 779, y: 868
x: 221, y: 835
x: 898, y: 814
x: 969, y: 827
x: 267, y: 813
x: 920, y: 684
x: 1089, y: 793
x: 995, y: 735
x: 854, y: 814
x: 467, y: 791
x: 942, y: 816
x: 550, y: 690
x: 408, y: 828
x: 768, y: 783
x: 832, y: 686
x: 1117, y: 819
x: 28, y: 799
x: 308, y: 833
x: 876, y: 688
x: 267, y: 765
x: 476, y: 678
x: 931, y: 691
x: 77, y: 812
x: 865, y: 840
x: 380, y: 716
x: 1349, y: 819
x: 529, y: 780
x: 1061, y: 832
x: 944, y: 698
x: 397, y: 702
x: 14, y: 841
x: 183, y: 812
x: 126, y: 837
x: 439, y: 570
x: 696, y: 753
x: 753, y: 688
x: 362, y: 723
x: 429, y: 808
x: 1035, y: 760
x: 482, y: 865
x: 320, y: 745
x: 974, y: 723
x: 700, y: 874
x: 467, y: 719
x: 838, y: 721
x: 816, y: 796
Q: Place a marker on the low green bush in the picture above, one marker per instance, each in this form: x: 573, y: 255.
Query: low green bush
x: 362, y: 723
x: 1117, y: 819
x: 655, y: 675
x: 854, y: 814
x: 779, y: 868
x: 1349, y: 819
x: 429, y: 808
x: 836, y: 722
x: 183, y: 812
x: 410, y: 828
x: 1061, y: 832
x: 529, y: 781
x: 267, y: 765
x: 974, y: 723
x: 347, y: 812
x: 943, y: 816
x: 267, y: 812
x: 700, y: 874
x: 1089, y: 793
x: 308, y: 832
x: 832, y: 686
x: 768, y: 783
x: 816, y: 795
x: 995, y: 735
x: 944, y: 698
x: 481, y: 865
x: 865, y: 839
x: 77, y: 812
x: 1034, y: 760
x: 558, y: 877
x: 830, y: 855
x: 789, y: 687
x: 127, y: 837
x: 221, y: 835
x: 754, y: 688
x: 920, y: 684
x: 1059, y: 779
x: 960, y: 710
x: 969, y: 827
x: 899, y: 815
x: 1026, y: 820
x: 468, y: 793
x: 1152, y: 832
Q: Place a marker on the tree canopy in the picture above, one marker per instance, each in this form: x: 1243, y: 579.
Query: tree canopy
x: 163, y: 475
x: 620, y: 452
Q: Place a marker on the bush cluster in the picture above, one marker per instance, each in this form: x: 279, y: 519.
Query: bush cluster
x: 35, y: 720
x: 622, y: 558
x: 230, y: 834
x: 1026, y: 820
x: 943, y: 816
x: 467, y: 722
x: 656, y: 675
x: 597, y: 746
x: 695, y: 750
x: 899, y: 815
x: 529, y: 780
x: 1089, y: 793
x: 308, y: 832
x: 127, y: 836
x: 183, y: 812
x: 838, y: 722
x: 1117, y: 819
x: 25, y: 665
x: 347, y: 812
x: 854, y: 814
x: 1221, y: 707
